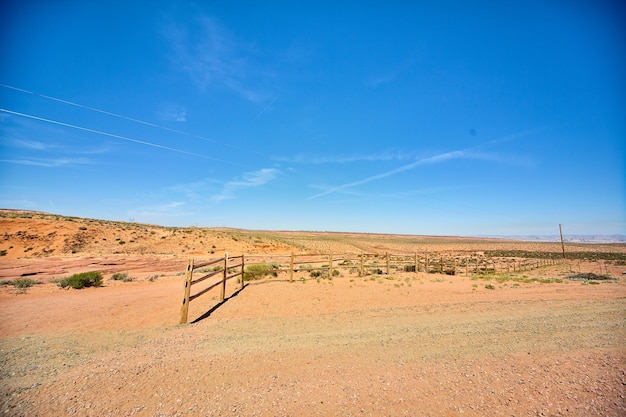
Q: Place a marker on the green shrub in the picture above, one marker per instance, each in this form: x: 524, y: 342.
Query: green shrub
x: 24, y: 282
x: 3, y: 252
x: 121, y: 276
x: 257, y: 271
x: 82, y: 280
x: 587, y: 276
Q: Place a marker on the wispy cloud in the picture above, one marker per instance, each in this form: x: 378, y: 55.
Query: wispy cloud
x: 56, y: 141
x: 32, y: 144
x: 247, y: 180
x: 124, y: 138
x: 48, y: 163
x: 196, y: 189
x: 396, y: 195
x: 424, y: 161
x: 52, y: 147
x: 468, y: 153
x: 210, y: 55
x: 168, y: 112
x: 513, y: 136
x: 343, y: 159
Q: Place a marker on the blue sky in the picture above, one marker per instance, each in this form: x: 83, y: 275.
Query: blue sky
x: 461, y: 118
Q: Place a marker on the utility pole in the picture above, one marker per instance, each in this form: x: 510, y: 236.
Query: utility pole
x: 562, y: 244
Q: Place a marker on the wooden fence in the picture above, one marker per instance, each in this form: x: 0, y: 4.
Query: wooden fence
x: 226, y: 267
x: 327, y: 265
x: 376, y: 263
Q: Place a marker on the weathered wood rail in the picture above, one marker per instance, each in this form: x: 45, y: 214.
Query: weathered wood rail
x: 223, y: 267
x: 228, y: 267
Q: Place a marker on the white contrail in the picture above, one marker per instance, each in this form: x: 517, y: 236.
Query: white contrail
x: 82, y: 106
x: 120, y: 116
x: 431, y: 160
x: 463, y: 153
x: 15, y: 88
x: 266, y: 107
x: 141, y: 142
x: 512, y: 136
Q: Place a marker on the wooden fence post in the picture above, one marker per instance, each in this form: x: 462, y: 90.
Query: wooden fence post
x: 362, y: 264
x: 387, y: 261
x: 223, y: 292
x: 243, y: 268
x: 291, y: 268
x: 454, y: 267
x: 441, y: 265
x: 426, y: 263
x: 417, y: 264
x: 184, y: 309
x: 330, y: 265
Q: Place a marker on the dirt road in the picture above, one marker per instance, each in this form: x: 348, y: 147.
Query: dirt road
x: 414, y: 344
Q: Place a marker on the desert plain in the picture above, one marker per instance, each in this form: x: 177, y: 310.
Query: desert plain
x: 547, y: 341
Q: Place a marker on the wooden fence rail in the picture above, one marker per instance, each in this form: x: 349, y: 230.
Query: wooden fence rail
x: 223, y: 267
x: 229, y: 267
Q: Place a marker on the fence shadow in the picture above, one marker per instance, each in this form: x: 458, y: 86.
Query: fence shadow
x: 216, y: 306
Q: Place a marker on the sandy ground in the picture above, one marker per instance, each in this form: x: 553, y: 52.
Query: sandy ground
x: 412, y: 345
x: 404, y: 344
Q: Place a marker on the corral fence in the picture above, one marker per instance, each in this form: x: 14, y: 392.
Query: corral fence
x: 245, y: 267
x: 226, y: 268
